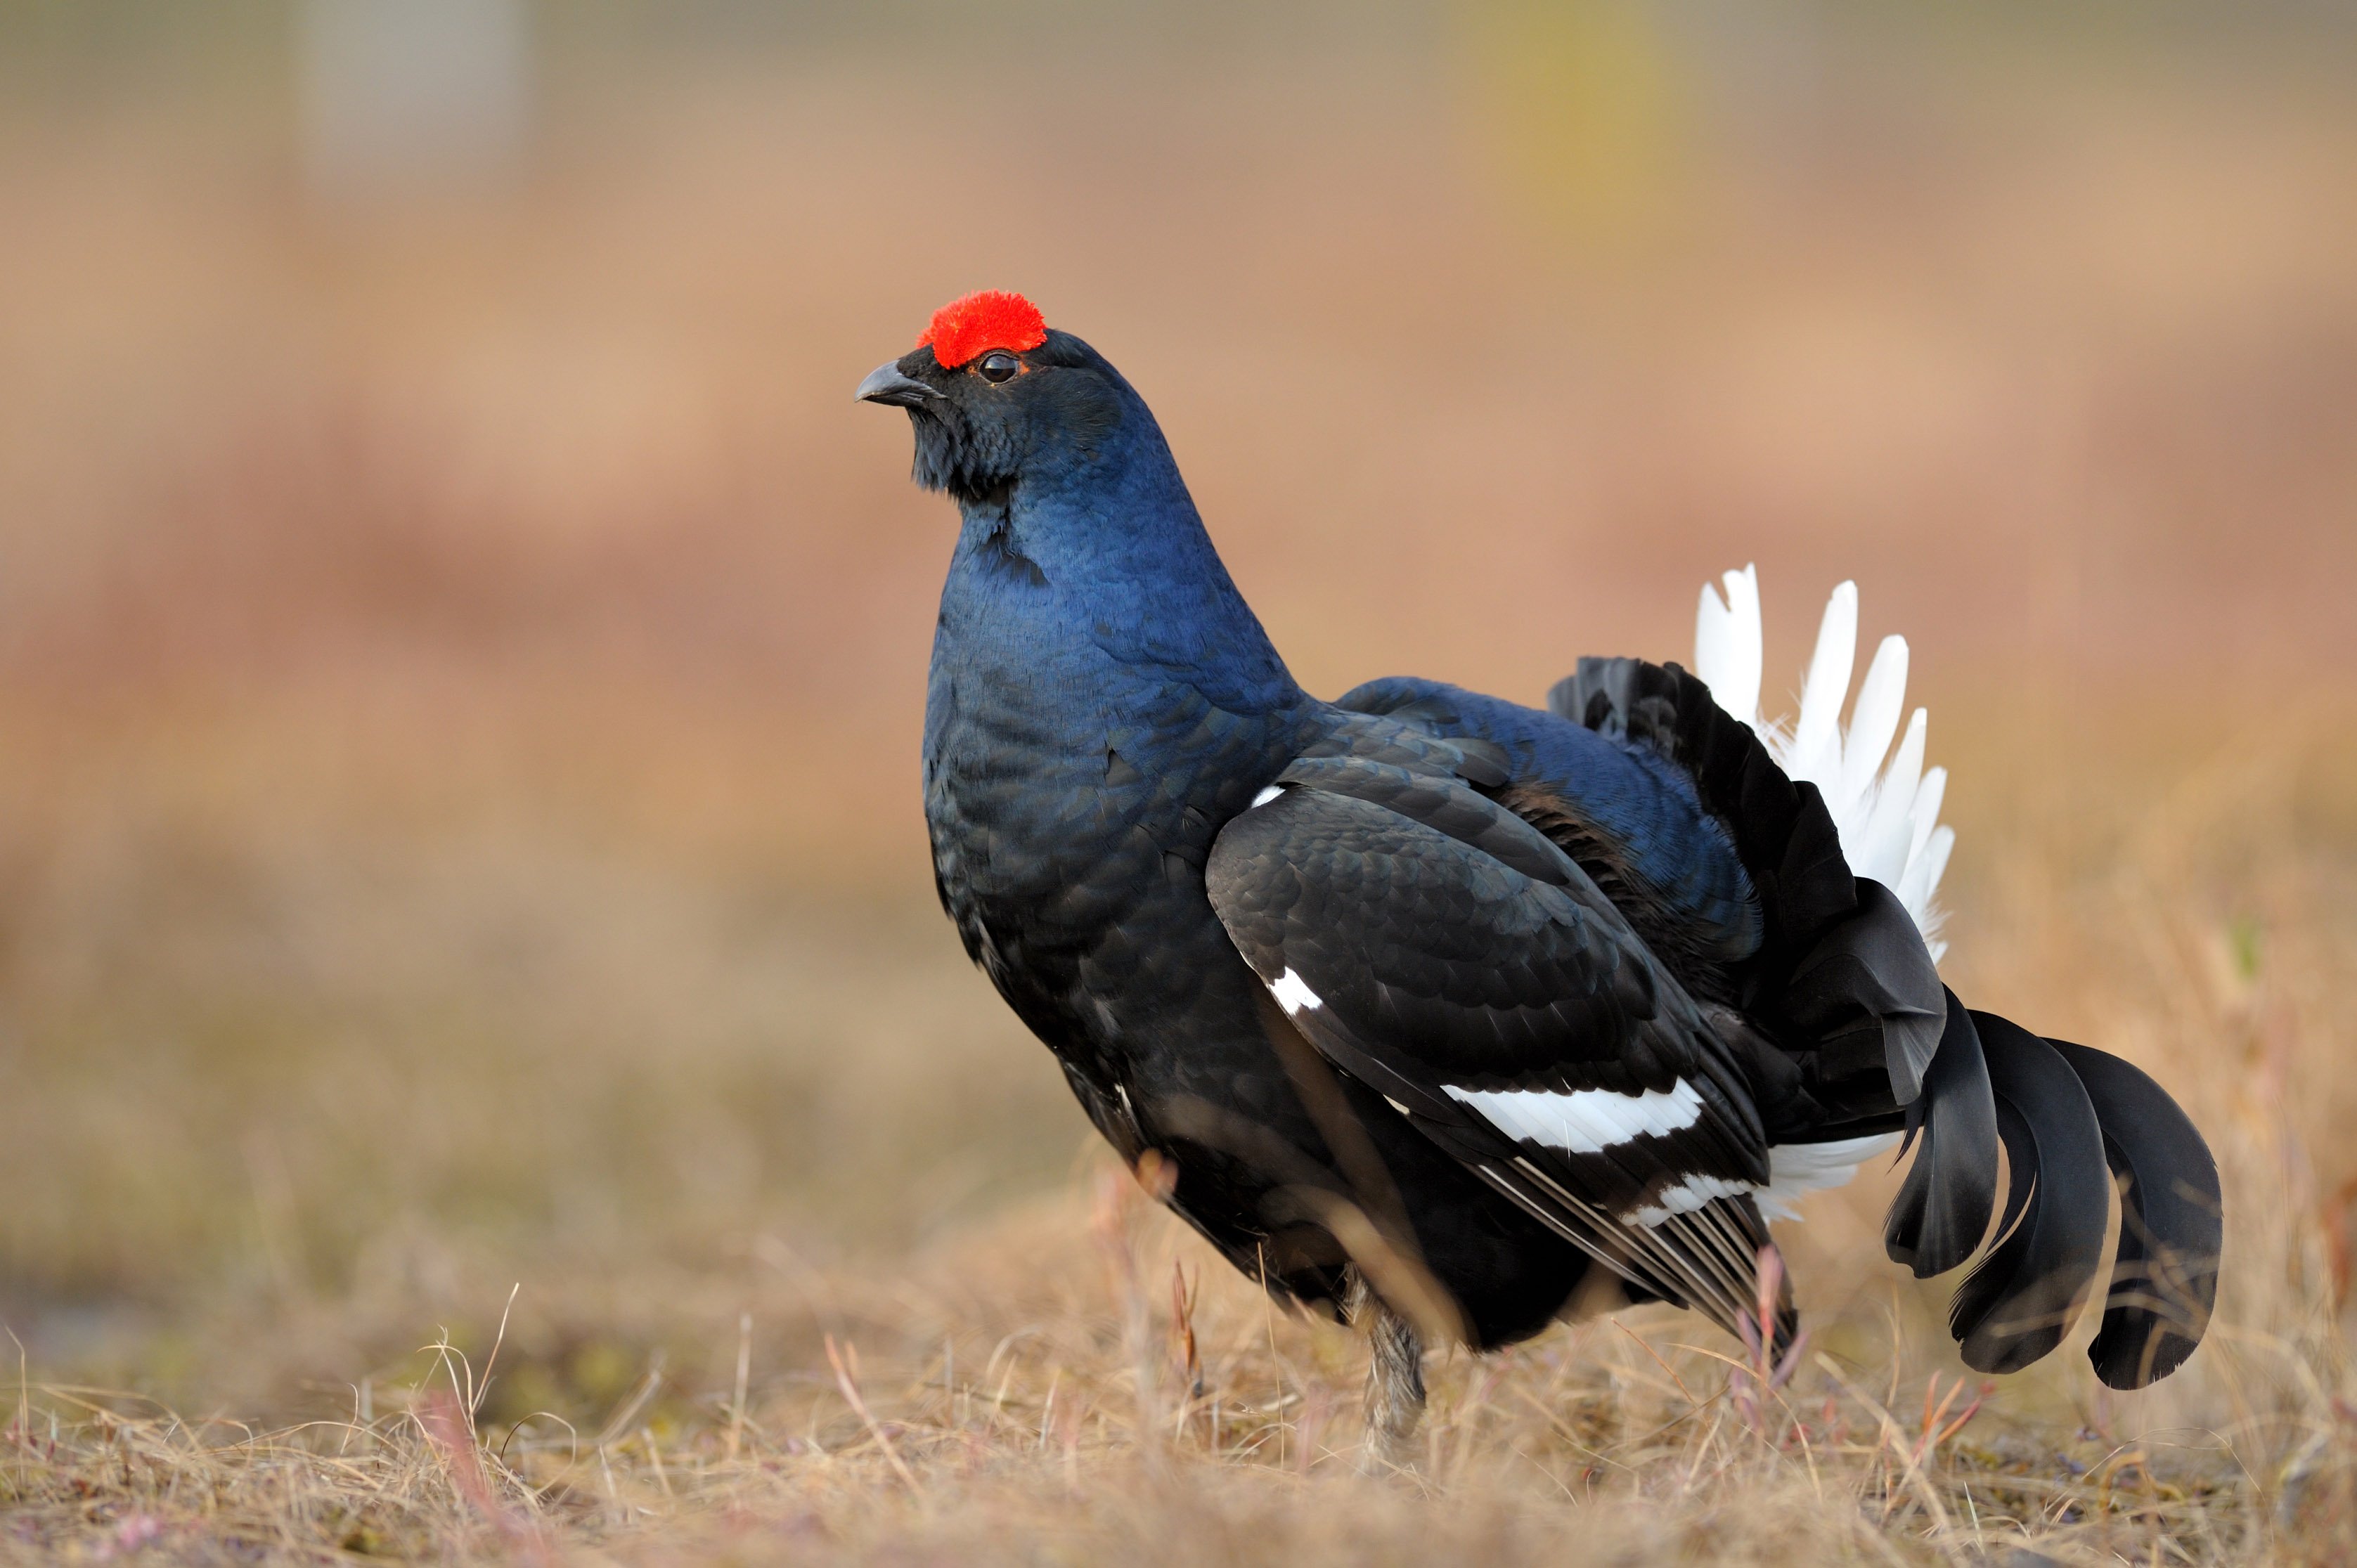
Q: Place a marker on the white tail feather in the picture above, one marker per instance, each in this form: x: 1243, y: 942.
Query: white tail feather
x: 1815, y: 750
x: 1926, y: 815
x: 1888, y: 816
x: 1726, y: 644
x: 1882, y: 854
x: 1874, y: 720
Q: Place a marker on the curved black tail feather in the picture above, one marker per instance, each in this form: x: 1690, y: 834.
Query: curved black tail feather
x: 2172, y: 1221
x: 1942, y: 1208
x: 2017, y: 1304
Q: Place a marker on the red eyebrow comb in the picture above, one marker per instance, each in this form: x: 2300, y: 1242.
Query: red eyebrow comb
x: 980, y: 322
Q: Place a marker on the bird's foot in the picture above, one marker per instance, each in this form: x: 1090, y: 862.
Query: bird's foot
x: 1394, y: 1386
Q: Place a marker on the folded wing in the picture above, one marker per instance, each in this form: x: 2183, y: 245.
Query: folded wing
x: 1442, y: 950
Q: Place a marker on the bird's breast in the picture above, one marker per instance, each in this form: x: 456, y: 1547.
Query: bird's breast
x: 1072, y: 805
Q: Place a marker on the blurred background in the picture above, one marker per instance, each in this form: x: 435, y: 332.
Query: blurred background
x: 462, y: 649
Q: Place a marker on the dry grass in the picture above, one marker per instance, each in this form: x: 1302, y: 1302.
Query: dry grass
x: 458, y: 675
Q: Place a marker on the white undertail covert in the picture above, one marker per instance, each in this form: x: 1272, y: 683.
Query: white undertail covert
x: 1885, y: 804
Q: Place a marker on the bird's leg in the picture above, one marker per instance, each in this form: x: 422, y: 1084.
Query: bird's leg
x: 1394, y: 1380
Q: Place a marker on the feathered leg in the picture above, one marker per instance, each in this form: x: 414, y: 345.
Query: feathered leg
x: 1394, y: 1380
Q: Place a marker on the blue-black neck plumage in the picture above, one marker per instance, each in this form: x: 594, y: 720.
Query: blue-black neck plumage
x: 1121, y: 581
x: 1083, y: 581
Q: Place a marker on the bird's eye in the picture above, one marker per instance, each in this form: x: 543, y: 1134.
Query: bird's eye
x: 998, y: 365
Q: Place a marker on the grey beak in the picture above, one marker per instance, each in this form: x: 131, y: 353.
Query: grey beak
x: 887, y: 384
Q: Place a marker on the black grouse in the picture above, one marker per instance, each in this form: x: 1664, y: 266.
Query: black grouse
x: 1463, y: 1015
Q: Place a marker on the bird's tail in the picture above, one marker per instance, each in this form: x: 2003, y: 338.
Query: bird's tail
x: 1848, y: 985
x: 2065, y: 1113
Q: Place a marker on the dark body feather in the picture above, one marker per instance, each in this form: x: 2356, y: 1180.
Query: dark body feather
x: 1326, y: 959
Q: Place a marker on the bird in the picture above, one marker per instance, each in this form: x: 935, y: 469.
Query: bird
x: 1452, y: 1017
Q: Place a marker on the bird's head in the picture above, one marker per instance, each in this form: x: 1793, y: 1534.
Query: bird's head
x: 997, y: 398
x: 1077, y: 524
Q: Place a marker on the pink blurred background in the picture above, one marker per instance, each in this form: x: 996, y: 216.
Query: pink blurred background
x: 464, y: 388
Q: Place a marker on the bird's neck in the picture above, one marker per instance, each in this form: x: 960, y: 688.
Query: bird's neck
x: 1103, y: 582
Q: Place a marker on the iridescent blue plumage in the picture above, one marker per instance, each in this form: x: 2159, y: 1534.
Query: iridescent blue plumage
x: 1646, y: 808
